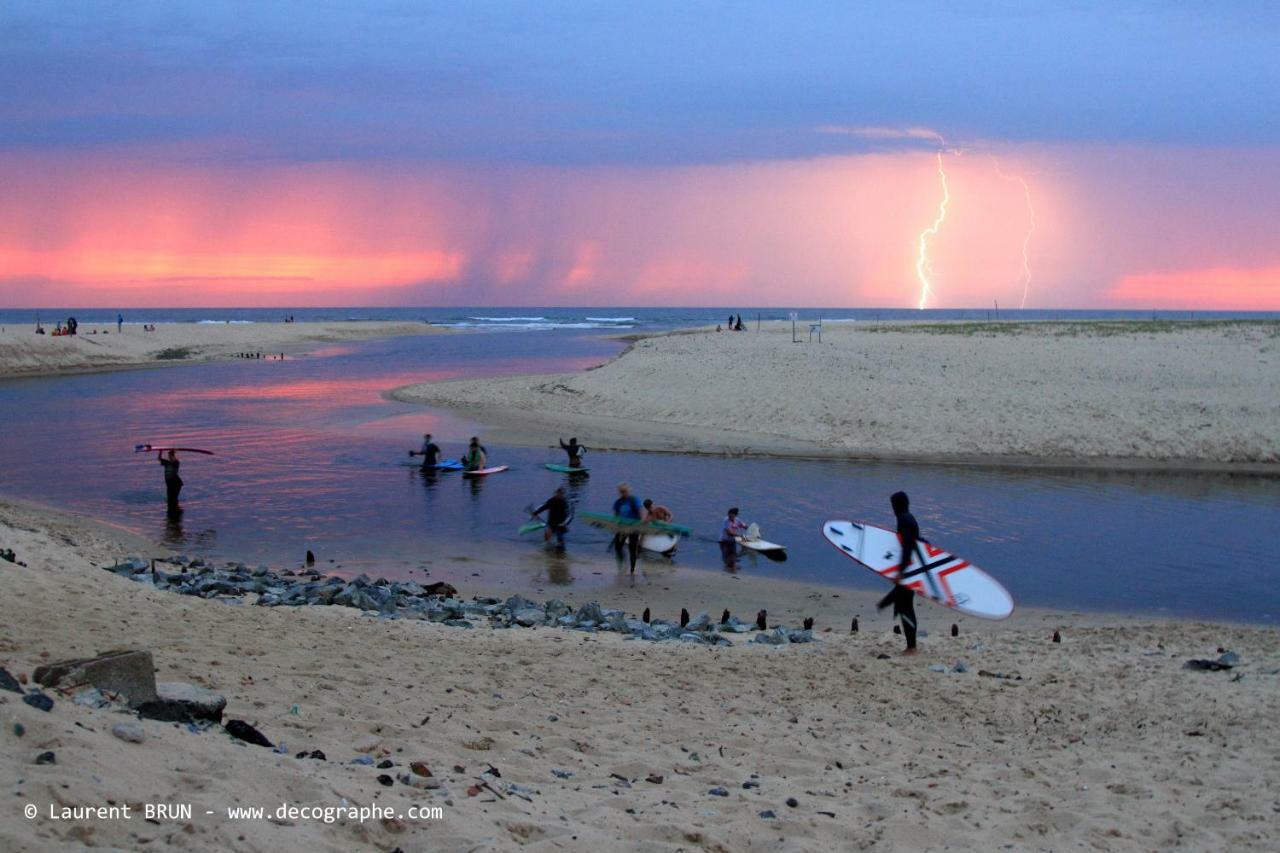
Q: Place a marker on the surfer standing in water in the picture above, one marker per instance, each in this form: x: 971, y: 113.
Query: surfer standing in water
x: 656, y: 512
x: 475, y: 458
x: 558, y: 517
x: 574, y: 450
x: 172, y: 482
x: 902, y: 597
x: 430, y: 452
x: 627, y: 507
x: 729, y: 531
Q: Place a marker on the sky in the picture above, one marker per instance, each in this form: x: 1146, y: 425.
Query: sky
x: 913, y: 154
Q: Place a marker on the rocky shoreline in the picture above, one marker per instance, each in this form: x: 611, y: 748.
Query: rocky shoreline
x: 437, y: 602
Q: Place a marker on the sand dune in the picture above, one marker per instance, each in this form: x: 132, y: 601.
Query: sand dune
x: 1105, y: 742
x: 24, y: 353
x: 1145, y: 394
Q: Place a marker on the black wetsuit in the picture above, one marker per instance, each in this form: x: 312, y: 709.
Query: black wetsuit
x: 172, y: 482
x: 574, y: 451
x: 902, y: 597
x: 558, y: 512
x: 430, y: 454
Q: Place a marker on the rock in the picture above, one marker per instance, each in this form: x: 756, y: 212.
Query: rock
x: 91, y: 697
x: 38, y: 700
x: 960, y: 666
x: 8, y: 682
x: 768, y: 814
x: 1229, y: 659
x: 129, y: 732
x: 792, y: 802
x: 561, y: 774
x: 183, y: 703
x: 653, y: 779
x: 805, y: 636
x: 385, y: 780
x: 937, y: 667
x: 724, y: 617
x: 644, y: 617
x: 589, y: 613
x: 529, y: 616
x: 557, y: 608
x: 46, y: 758
x: 420, y: 768
x: 240, y: 730
x: 131, y: 673
x: 363, y: 759
x: 386, y: 764
x: 718, y: 792
x: 689, y: 637
x: 701, y: 622
x: 1057, y: 637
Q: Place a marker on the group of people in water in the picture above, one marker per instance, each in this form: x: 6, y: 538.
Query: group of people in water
x: 475, y: 459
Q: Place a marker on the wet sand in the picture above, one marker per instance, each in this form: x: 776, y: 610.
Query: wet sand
x: 1185, y: 396
x: 1105, y: 741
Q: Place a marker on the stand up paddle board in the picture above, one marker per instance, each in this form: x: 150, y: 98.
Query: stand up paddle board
x: 945, y: 578
x: 485, y: 472
x: 566, y: 469
x: 532, y: 526
x: 442, y: 465
x: 147, y: 448
x: 618, y: 524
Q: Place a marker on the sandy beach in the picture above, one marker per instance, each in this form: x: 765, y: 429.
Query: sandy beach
x: 1105, y: 741
x: 1137, y: 394
x: 100, y: 347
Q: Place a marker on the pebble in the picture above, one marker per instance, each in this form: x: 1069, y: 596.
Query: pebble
x: 364, y: 759
x: 561, y: 774
x: 38, y: 700
x: 792, y: 802
x: 240, y: 730
x: 768, y: 814
x: 129, y: 732
x: 385, y: 780
x: 46, y: 758
x: 19, y: 730
x: 718, y: 792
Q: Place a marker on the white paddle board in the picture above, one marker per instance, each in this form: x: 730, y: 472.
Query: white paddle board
x: 933, y: 573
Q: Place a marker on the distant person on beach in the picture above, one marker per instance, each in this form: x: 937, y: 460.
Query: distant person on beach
x: 738, y: 327
x: 901, y: 596
x: 729, y: 531
x: 119, y: 323
x: 430, y: 452
x: 476, y: 457
x: 574, y: 451
x: 172, y: 482
x: 627, y: 507
x: 656, y: 512
x: 558, y: 514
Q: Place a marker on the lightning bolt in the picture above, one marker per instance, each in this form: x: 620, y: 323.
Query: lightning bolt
x: 924, y: 269
x: 1031, y: 229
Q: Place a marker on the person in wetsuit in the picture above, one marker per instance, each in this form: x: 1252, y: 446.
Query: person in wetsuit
x: 574, y: 451
x: 172, y: 482
x: 626, y: 506
x: 558, y: 516
x: 430, y: 452
x: 901, y: 596
x: 476, y: 457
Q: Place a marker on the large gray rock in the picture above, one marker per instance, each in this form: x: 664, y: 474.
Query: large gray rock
x: 203, y: 704
x: 129, y: 672
x: 529, y: 616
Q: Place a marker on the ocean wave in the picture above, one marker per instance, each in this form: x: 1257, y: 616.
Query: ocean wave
x: 531, y: 326
x: 225, y: 322
x: 507, y: 319
x: 612, y: 319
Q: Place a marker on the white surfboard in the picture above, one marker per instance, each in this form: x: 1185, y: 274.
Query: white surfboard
x: 751, y: 539
x: 659, y: 543
x: 933, y: 573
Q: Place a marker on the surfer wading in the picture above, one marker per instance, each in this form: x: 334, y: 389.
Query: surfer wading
x: 172, y: 482
x: 475, y: 459
x: 574, y: 452
x: 627, y: 507
x: 901, y: 596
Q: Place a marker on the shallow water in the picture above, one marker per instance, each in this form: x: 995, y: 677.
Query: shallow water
x: 310, y: 455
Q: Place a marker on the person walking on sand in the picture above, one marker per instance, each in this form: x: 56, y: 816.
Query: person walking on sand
x: 730, y: 530
x: 430, y: 452
x: 119, y: 323
x: 476, y: 457
x: 627, y: 507
x: 574, y: 451
x: 901, y: 596
x: 172, y: 482
x: 558, y: 516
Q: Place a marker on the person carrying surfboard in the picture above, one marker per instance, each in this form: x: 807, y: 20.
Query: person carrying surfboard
x: 172, y: 482
x: 656, y: 512
x: 729, y: 531
x: 574, y: 450
x: 475, y: 458
x: 901, y: 596
x: 558, y: 516
x: 627, y: 507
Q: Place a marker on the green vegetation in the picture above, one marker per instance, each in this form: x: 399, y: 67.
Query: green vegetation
x: 173, y: 354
